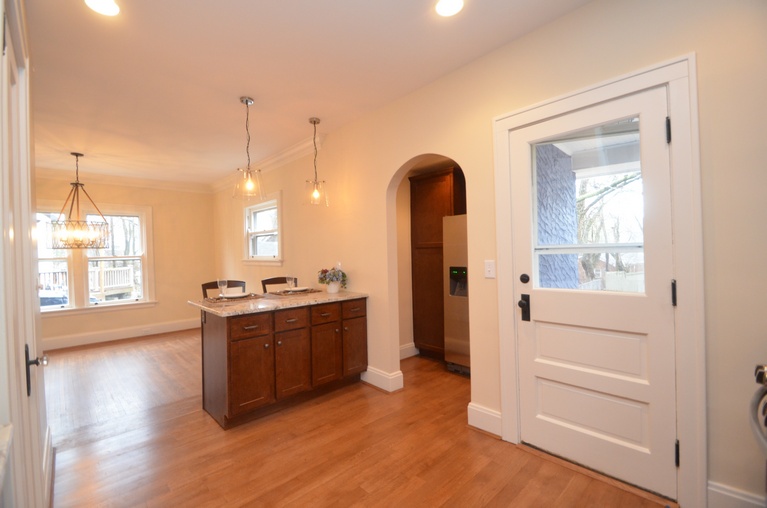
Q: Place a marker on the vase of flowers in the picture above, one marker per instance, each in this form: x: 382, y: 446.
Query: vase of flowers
x: 334, y: 278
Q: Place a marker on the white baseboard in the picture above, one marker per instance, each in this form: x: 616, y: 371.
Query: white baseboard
x: 485, y: 419
x: 388, y: 381
x: 84, y: 339
x: 407, y: 350
x: 724, y: 496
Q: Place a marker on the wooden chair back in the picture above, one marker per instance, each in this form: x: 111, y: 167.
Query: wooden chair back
x: 214, y: 285
x: 275, y: 280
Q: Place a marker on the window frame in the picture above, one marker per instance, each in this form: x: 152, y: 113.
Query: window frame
x: 78, y: 260
x: 273, y: 200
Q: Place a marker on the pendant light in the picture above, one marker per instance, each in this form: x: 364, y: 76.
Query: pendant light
x: 316, y: 188
x: 250, y: 186
x: 74, y: 232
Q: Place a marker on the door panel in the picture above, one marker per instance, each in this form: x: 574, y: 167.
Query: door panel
x: 591, y: 221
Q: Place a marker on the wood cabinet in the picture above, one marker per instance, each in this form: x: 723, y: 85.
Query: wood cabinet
x: 327, y: 352
x: 432, y: 196
x: 251, y: 363
x: 355, y: 337
x: 292, y: 352
x: 254, y: 363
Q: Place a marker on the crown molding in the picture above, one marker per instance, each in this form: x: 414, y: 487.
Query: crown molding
x: 102, y: 179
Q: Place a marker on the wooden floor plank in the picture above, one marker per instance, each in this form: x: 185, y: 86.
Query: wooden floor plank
x: 129, y: 430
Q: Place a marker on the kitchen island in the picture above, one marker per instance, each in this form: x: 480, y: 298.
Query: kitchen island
x: 261, y: 353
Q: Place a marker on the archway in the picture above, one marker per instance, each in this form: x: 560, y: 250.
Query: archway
x: 399, y: 244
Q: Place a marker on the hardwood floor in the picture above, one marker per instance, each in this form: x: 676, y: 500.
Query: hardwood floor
x: 129, y: 430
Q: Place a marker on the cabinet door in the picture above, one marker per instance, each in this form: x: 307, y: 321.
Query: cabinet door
x: 292, y: 355
x: 326, y: 353
x: 355, y: 345
x: 251, y: 374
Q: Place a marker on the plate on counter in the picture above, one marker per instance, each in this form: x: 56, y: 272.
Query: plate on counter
x: 298, y: 290
x: 236, y: 295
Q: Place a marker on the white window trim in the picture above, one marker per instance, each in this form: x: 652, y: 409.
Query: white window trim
x: 78, y: 263
x: 266, y: 203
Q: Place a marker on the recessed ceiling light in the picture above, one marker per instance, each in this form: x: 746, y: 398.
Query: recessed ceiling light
x: 105, y: 7
x: 449, y: 7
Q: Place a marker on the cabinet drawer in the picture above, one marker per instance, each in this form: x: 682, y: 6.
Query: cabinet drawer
x: 353, y: 308
x: 290, y: 319
x: 326, y: 313
x: 251, y: 325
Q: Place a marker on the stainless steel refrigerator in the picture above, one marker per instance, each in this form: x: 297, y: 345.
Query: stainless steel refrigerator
x: 456, y: 293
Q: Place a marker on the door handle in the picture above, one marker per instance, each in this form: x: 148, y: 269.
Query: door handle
x: 37, y: 361
x: 524, y: 304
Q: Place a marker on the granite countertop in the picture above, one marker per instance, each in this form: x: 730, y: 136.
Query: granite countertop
x: 270, y: 302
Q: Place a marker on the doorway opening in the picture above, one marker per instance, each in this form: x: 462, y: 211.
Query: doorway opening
x: 431, y: 187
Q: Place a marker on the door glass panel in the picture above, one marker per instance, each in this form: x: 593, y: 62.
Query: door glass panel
x: 589, y: 210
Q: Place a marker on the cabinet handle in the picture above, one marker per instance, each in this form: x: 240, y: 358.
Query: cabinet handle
x: 251, y: 327
x: 355, y: 309
x: 279, y: 343
x: 291, y: 320
x: 266, y: 346
x: 325, y: 314
x: 346, y: 328
x: 337, y: 330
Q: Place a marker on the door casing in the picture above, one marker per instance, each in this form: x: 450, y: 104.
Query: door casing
x: 679, y: 76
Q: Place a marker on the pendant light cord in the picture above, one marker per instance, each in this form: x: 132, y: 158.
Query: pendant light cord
x: 247, y: 131
x: 314, y: 138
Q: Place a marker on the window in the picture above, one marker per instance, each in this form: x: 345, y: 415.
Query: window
x: 262, y: 231
x: 87, y: 278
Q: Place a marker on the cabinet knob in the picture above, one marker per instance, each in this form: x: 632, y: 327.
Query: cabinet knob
x: 266, y: 346
x: 346, y: 328
x: 279, y: 343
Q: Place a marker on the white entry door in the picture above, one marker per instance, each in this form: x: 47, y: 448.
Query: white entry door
x: 593, y: 273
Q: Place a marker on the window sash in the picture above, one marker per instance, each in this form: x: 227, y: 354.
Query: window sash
x: 79, y: 264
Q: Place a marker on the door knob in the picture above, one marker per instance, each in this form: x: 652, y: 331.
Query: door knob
x: 760, y: 373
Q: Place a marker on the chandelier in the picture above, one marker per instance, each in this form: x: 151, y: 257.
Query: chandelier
x: 317, y: 189
x: 250, y: 187
x: 74, y: 232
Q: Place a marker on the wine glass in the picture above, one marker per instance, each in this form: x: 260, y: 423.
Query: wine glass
x: 291, y: 282
x: 221, y: 286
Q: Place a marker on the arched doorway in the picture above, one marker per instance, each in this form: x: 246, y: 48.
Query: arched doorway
x: 420, y: 274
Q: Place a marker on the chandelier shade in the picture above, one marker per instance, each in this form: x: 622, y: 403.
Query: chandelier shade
x: 316, y: 188
x: 250, y: 186
x: 72, y: 230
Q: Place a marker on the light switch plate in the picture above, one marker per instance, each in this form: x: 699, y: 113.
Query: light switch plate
x: 490, y: 268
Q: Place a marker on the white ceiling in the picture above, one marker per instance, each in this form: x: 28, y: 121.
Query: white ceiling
x: 154, y: 92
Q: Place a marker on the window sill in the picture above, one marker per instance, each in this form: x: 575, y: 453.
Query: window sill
x: 262, y: 262
x: 48, y: 313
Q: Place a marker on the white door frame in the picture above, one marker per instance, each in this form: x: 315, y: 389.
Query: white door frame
x: 679, y: 76
x: 30, y: 462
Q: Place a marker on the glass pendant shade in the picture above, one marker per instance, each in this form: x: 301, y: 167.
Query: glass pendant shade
x: 71, y: 231
x: 250, y: 186
x: 317, y: 192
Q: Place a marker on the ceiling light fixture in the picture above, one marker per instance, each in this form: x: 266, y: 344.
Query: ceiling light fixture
x: 250, y: 187
x: 449, y: 8
x: 317, y: 189
x: 105, y: 7
x: 74, y: 232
